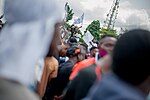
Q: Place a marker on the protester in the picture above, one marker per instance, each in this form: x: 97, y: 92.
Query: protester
x: 130, y: 76
x: 24, y: 40
x: 84, y: 46
x: 87, y: 75
x: 93, y: 51
x: 73, y: 41
x: 106, y: 45
x: 81, y: 65
x: 62, y: 50
x: 51, y: 63
x: 56, y: 86
x: 88, y: 55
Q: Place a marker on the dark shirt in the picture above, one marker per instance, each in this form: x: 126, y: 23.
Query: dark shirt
x: 79, y: 87
x: 56, y: 86
x: 110, y: 87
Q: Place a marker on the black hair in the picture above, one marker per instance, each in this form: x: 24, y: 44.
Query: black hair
x: 84, y: 45
x: 73, y: 40
x: 131, y: 56
x: 71, y: 51
x: 107, y: 35
x: 92, y: 48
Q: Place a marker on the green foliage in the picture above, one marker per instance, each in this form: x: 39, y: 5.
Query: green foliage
x: 81, y: 38
x: 67, y: 25
x: 94, y: 29
x: 108, y: 32
x: 68, y: 17
x: 69, y: 12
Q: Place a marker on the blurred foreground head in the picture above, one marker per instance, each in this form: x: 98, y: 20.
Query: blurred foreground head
x: 26, y: 37
x: 131, y: 57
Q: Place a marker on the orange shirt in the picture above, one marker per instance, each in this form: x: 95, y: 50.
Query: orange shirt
x: 80, y: 65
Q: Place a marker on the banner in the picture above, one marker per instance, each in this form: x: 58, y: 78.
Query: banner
x: 79, y: 20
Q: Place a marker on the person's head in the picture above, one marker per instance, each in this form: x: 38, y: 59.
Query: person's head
x: 93, y: 51
x: 131, y: 57
x: 73, y: 41
x: 72, y: 28
x: 62, y: 50
x: 84, y: 46
x: 88, y: 55
x: 76, y: 53
x: 106, y: 44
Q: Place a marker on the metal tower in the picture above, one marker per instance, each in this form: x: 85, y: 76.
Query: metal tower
x: 112, y: 15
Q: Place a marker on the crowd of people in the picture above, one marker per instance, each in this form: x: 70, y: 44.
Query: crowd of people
x: 36, y: 65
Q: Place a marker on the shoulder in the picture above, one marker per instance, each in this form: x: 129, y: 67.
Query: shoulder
x: 87, y: 73
x: 66, y: 65
x: 51, y: 63
x: 110, y: 87
x: 51, y: 60
x: 89, y: 69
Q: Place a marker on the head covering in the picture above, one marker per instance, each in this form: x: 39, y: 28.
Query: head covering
x: 74, y: 51
x: 131, y: 56
x: 26, y: 37
x: 73, y: 41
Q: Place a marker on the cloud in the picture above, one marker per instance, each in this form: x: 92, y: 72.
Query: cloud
x: 132, y: 13
x: 91, y: 5
x: 131, y: 17
x: 1, y: 6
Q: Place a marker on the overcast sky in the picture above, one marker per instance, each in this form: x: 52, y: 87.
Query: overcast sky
x: 132, y: 13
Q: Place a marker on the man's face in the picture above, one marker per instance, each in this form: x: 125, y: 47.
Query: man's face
x: 93, y: 52
x: 107, y: 44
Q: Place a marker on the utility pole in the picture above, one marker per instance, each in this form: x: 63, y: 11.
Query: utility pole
x: 112, y: 15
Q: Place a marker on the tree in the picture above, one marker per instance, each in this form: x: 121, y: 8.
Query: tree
x: 108, y: 32
x: 94, y: 29
x: 69, y: 12
x: 66, y: 26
